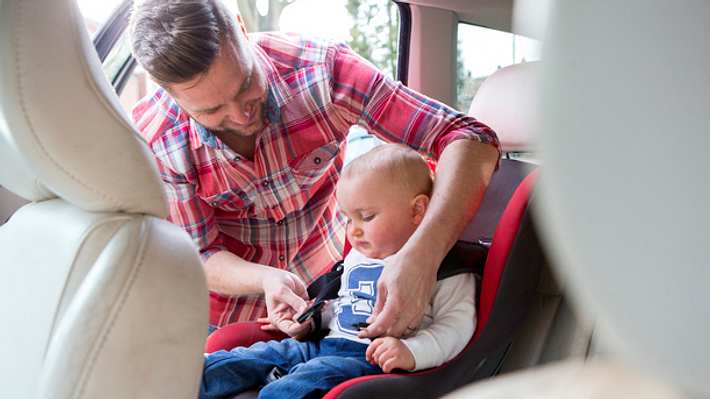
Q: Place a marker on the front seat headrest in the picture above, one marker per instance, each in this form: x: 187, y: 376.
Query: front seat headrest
x: 507, y: 102
x: 63, y: 132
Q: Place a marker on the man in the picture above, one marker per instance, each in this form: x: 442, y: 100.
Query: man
x: 248, y: 133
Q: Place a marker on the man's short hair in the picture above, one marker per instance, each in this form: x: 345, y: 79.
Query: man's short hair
x: 397, y: 162
x: 176, y: 40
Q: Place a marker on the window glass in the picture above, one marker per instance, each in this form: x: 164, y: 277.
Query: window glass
x: 96, y: 13
x: 481, y: 51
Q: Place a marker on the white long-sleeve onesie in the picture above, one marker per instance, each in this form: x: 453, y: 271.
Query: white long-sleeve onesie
x: 449, y: 319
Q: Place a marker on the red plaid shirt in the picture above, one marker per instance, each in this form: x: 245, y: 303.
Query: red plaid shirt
x: 279, y: 209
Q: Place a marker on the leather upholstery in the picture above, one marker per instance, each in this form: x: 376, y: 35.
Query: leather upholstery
x: 598, y: 379
x: 507, y: 102
x: 99, y: 297
x: 60, y: 119
x: 9, y: 203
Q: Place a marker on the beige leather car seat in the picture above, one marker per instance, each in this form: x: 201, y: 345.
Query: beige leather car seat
x: 9, y: 203
x: 99, y: 296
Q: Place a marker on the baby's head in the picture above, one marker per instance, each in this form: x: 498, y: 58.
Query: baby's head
x: 384, y: 194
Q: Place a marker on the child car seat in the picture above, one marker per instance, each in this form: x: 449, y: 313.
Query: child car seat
x: 509, y: 276
x: 509, y: 279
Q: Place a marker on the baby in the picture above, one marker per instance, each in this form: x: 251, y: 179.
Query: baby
x: 384, y: 195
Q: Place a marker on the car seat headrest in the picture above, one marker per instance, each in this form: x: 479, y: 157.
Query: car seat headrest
x: 63, y: 132
x: 507, y: 102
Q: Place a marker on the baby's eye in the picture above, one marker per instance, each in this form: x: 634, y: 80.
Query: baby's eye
x: 367, y: 218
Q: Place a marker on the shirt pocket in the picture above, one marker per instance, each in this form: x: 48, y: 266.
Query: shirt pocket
x: 231, y: 201
x: 310, y: 167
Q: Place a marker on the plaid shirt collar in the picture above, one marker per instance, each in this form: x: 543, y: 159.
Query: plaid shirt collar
x: 276, y: 97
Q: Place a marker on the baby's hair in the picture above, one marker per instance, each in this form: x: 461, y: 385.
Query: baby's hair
x: 397, y: 162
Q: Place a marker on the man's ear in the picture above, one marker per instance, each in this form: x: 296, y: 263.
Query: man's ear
x: 419, y: 207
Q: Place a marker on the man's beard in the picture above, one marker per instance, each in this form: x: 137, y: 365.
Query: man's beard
x: 255, y: 127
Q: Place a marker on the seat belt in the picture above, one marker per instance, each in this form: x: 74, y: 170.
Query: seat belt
x: 321, y: 290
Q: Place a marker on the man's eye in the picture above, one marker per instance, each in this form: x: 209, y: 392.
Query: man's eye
x: 246, y: 84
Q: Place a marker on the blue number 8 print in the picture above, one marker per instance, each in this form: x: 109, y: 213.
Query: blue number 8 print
x: 362, y: 291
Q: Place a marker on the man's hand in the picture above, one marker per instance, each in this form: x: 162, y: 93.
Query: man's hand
x: 403, y: 290
x: 287, y: 323
x: 293, y: 328
x: 390, y: 353
x: 285, y: 296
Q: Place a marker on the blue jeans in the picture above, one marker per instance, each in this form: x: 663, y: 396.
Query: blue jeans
x: 310, y: 369
x: 211, y: 329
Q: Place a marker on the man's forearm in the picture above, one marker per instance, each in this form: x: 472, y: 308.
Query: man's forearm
x: 231, y: 275
x: 462, y: 175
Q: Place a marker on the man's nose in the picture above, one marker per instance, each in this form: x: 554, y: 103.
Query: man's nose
x: 240, y: 113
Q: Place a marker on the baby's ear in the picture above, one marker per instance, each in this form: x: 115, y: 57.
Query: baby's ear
x: 419, y: 207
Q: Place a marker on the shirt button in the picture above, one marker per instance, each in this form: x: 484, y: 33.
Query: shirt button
x: 282, y: 258
x: 317, y: 160
x: 265, y: 183
x: 280, y: 222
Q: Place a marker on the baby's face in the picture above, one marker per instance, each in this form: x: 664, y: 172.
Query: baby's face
x: 380, y: 215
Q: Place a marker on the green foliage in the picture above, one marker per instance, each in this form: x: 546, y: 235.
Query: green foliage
x: 374, y: 32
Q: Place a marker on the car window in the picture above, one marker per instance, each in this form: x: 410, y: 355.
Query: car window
x: 481, y: 51
x: 370, y: 27
x: 96, y: 13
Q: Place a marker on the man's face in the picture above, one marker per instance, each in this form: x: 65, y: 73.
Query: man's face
x: 380, y: 214
x: 230, y: 96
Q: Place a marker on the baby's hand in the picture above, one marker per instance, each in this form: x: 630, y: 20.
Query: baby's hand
x: 390, y: 353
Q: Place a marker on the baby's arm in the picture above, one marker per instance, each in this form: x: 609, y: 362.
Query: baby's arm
x: 453, y: 322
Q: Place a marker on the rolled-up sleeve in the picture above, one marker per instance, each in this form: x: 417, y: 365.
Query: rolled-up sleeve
x: 393, y: 112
